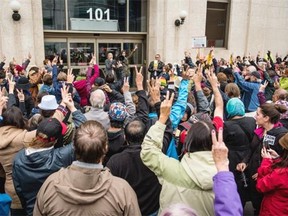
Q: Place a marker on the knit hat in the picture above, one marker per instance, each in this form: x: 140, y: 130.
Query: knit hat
x: 117, y: 111
x: 235, y: 107
x: 50, y: 127
x: 23, y: 83
x: 256, y: 74
x: 48, y: 102
x: 19, y: 68
x: 99, y: 81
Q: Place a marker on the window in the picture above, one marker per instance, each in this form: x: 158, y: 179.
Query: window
x: 105, y: 48
x: 137, y: 15
x: 217, y: 24
x: 54, y: 14
x: 81, y: 53
x: 97, y: 15
x: 56, y: 48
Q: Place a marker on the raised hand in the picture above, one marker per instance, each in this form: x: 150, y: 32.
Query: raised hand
x: 20, y: 95
x: 165, y: 108
x: 126, y: 85
x: 55, y: 60
x: 67, y: 97
x: 212, y: 78
x: 70, y: 76
x: 139, y: 78
x: 154, y: 90
x: 11, y: 84
x: 219, y: 151
x: 198, y: 75
x: 263, y: 86
x: 29, y: 56
x: 3, y: 103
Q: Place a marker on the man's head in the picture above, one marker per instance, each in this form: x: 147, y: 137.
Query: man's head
x: 255, y: 76
x: 48, y: 132
x: 110, y: 55
x: 110, y: 78
x: 157, y: 57
x: 90, y: 142
x: 48, y: 106
x: 117, y: 114
x: 279, y: 94
x: 135, y: 132
x: 97, y: 99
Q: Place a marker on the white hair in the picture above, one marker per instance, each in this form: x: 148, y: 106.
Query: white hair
x: 97, y: 98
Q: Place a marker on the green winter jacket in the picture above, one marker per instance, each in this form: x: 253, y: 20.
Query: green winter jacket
x: 189, y: 181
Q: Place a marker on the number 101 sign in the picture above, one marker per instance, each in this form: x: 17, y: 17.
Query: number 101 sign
x: 99, y: 14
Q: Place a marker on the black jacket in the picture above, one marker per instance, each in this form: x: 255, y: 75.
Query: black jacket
x: 129, y: 166
x: 254, y: 158
x: 30, y: 172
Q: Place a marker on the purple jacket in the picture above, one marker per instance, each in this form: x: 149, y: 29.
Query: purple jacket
x: 227, y: 201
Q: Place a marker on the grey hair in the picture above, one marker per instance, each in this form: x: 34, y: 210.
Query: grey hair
x: 97, y: 98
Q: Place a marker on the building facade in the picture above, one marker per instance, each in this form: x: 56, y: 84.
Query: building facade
x: 74, y: 29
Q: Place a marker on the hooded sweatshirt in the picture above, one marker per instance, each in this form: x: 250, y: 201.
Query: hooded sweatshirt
x: 85, y: 191
x: 189, y: 181
x: 12, y: 141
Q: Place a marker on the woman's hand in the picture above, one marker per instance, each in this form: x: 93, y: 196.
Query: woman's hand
x: 273, y: 153
x: 265, y: 153
x: 241, y: 167
x: 165, y: 108
x: 220, y: 151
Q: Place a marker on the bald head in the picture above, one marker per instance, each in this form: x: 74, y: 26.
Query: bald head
x: 97, y: 98
x: 279, y: 94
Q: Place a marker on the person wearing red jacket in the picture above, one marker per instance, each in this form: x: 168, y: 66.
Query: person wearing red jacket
x: 272, y: 180
x: 83, y: 87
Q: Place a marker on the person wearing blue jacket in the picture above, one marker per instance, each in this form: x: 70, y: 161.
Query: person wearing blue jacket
x: 177, y: 112
x: 34, y: 164
x: 250, y: 89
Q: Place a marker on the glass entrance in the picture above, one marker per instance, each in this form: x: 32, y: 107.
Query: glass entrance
x: 77, y: 52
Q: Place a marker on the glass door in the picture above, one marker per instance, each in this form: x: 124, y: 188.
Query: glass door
x: 77, y: 52
x: 55, y: 47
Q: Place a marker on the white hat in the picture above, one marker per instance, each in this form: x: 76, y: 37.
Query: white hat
x: 48, y: 102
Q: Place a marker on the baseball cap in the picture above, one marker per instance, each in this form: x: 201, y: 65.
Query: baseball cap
x: 49, y: 130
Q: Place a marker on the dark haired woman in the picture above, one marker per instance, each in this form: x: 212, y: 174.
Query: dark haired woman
x: 269, y: 131
x: 124, y: 59
x: 13, y: 137
x: 272, y: 180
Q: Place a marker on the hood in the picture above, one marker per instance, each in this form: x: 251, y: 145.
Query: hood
x: 8, y: 134
x: 78, y: 185
x: 201, y: 168
x: 80, y: 84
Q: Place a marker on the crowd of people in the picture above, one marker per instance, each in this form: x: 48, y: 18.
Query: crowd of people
x: 205, y: 138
